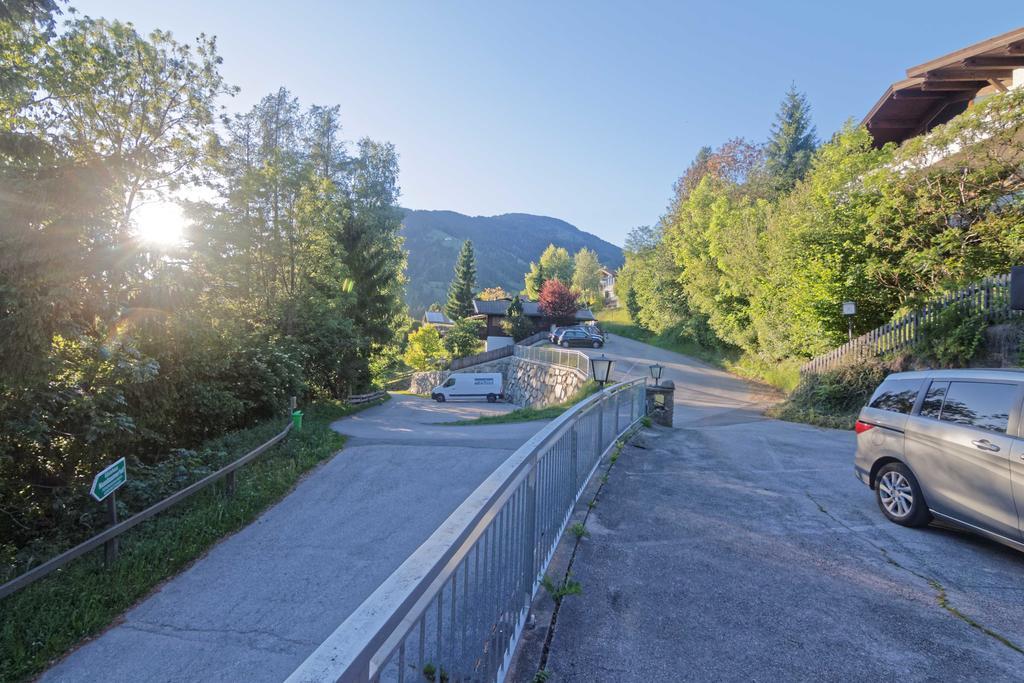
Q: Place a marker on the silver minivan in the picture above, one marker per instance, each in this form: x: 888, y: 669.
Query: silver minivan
x: 947, y: 444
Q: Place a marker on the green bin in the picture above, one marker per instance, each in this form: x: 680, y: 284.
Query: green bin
x: 297, y: 420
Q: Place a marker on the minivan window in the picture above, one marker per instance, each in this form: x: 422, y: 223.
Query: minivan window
x: 932, y: 404
x: 450, y: 382
x: 985, y: 405
x: 896, y: 395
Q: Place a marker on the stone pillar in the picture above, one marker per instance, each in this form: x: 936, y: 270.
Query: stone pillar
x: 660, y: 402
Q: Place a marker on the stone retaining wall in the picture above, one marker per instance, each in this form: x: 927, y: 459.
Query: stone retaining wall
x: 527, y: 383
x: 424, y: 382
x: 536, y: 385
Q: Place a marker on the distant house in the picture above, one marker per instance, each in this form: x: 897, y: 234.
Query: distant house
x: 608, y: 288
x: 494, y: 312
x: 935, y: 92
x: 439, y: 320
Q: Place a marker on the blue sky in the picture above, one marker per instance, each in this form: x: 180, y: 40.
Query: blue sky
x: 581, y: 110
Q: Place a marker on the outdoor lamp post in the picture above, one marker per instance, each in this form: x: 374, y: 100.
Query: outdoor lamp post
x: 656, y: 371
x: 849, y: 310
x: 602, y: 369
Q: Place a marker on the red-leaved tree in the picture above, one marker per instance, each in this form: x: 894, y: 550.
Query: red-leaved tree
x: 558, y: 302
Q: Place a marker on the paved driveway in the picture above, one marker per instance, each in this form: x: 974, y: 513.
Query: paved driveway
x: 262, y: 600
x: 740, y: 548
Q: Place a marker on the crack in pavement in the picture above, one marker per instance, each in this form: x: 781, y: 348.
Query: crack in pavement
x: 941, y: 596
x: 175, y: 631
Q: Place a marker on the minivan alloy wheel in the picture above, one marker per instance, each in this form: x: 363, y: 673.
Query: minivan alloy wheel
x: 895, y: 493
x: 899, y: 496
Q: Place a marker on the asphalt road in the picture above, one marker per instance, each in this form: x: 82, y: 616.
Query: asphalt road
x: 740, y: 548
x: 262, y: 600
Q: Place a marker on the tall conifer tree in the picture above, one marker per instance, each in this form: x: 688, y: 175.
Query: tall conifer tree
x: 792, y: 142
x: 460, y: 293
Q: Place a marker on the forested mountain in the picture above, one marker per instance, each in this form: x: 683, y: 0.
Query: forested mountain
x: 504, y: 247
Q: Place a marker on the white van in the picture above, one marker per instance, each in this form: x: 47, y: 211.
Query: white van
x: 469, y: 385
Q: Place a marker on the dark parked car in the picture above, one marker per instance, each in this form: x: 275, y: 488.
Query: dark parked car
x: 579, y: 337
x: 947, y: 444
x: 556, y: 332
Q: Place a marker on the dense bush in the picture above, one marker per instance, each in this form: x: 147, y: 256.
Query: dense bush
x: 952, y: 340
x: 835, y: 397
x: 757, y: 255
x: 463, y: 338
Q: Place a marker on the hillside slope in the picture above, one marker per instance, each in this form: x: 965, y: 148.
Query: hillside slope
x: 504, y: 247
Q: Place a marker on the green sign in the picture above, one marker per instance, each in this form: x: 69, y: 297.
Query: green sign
x: 109, y: 480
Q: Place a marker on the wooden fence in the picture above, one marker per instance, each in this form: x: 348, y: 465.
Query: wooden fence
x: 989, y: 298
x: 495, y: 354
x: 359, y: 399
x: 485, y: 357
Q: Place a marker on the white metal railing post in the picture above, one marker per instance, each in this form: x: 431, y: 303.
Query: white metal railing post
x: 530, y: 540
x: 618, y: 409
x: 574, y: 458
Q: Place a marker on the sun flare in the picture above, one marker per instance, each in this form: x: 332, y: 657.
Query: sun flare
x: 160, y: 224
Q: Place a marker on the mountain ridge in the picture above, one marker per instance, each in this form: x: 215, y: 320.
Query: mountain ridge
x: 504, y: 245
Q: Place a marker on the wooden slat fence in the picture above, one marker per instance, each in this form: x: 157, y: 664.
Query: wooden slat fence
x: 485, y: 357
x: 989, y: 298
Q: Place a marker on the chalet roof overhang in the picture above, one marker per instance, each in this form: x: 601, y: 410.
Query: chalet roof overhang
x: 936, y: 91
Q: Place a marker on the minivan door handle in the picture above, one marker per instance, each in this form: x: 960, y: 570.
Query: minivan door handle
x: 986, y: 445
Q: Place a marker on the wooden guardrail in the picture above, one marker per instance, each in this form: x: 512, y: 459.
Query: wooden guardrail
x: 227, y: 473
x: 360, y: 399
x: 989, y: 298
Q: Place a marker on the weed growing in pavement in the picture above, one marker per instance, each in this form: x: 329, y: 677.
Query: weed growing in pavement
x: 430, y: 673
x: 567, y: 587
x: 579, y: 530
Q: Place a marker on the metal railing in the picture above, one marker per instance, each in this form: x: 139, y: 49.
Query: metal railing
x: 989, y: 298
x: 458, y: 605
x: 569, y: 358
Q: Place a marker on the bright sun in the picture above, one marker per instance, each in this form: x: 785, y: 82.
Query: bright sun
x: 160, y: 224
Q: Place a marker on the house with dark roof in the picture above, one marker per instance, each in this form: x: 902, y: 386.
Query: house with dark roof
x: 439, y: 320
x: 494, y: 312
x: 937, y: 91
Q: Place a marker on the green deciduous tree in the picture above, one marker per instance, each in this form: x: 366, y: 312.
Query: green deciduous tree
x: 534, y: 281
x: 463, y: 339
x: 289, y: 283
x: 586, y: 276
x: 425, y: 350
x: 460, y: 292
x: 493, y: 294
x: 556, y: 264
x: 517, y: 326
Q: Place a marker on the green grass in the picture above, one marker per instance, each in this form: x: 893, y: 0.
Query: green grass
x: 531, y: 414
x: 48, y: 618
x: 784, y: 376
x: 617, y: 321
